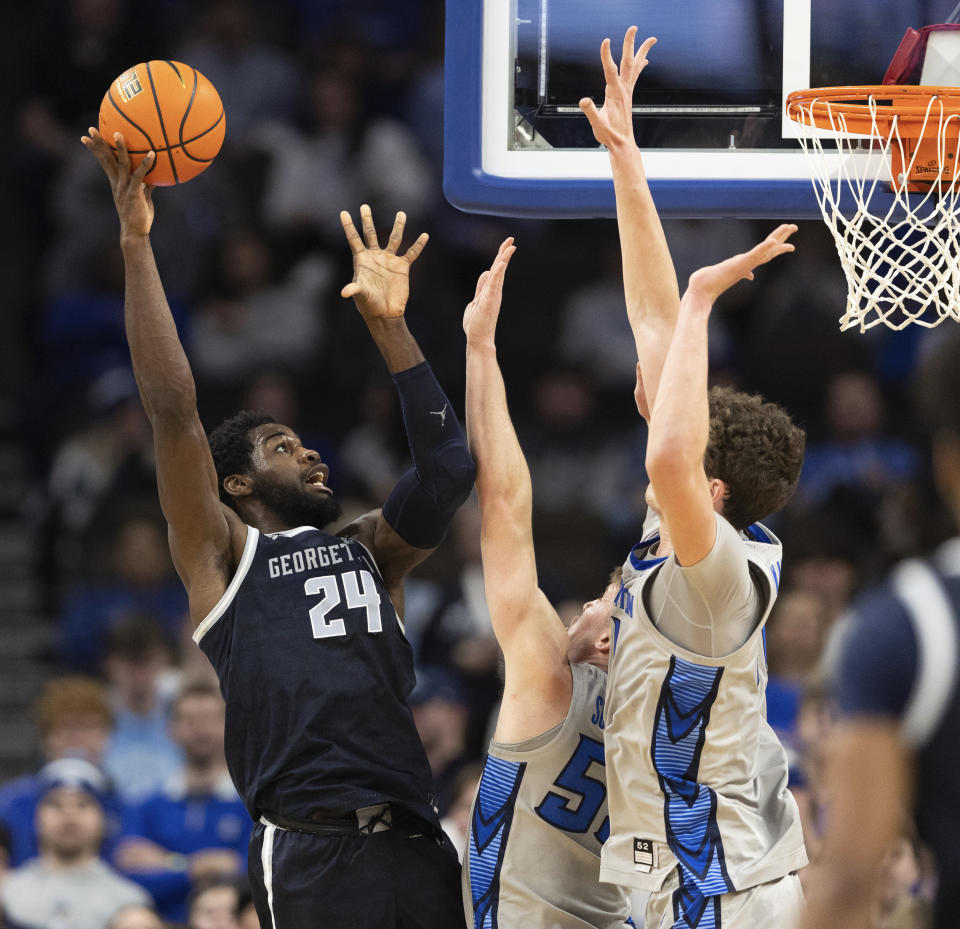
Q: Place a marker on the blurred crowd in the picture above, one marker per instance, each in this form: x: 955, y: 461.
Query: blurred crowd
x: 130, y: 809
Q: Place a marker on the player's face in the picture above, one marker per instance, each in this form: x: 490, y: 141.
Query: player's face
x: 590, y: 631
x: 291, y: 479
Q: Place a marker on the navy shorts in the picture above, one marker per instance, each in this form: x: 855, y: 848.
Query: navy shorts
x: 395, y: 879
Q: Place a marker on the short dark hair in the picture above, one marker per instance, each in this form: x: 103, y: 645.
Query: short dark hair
x: 938, y: 384
x: 231, y: 447
x: 197, y: 687
x: 756, y: 450
x: 137, y: 636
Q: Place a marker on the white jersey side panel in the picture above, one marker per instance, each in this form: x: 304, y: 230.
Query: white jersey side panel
x: 696, y: 777
x: 538, y: 822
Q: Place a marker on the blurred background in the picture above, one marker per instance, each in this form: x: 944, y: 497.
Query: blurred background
x: 328, y: 105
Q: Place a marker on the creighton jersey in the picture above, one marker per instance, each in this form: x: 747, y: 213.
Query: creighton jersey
x: 539, y: 818
x: 697, y: 780
x: 315, y: 670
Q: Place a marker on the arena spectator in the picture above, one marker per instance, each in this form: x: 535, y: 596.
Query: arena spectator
x: 339, y: 154
x: 857, y: 455
x: 214, y: 904
x: 254, y: 316
x: 139, y: 579
x: 795, y: 634
x: 140, y: 755
x: 196, y: 825
x: 136, y: 916
x: 74, y: 720
x: 68, y: 885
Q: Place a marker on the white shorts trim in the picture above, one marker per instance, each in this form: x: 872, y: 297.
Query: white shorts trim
x: 246, y: 559
x: 266, y: 860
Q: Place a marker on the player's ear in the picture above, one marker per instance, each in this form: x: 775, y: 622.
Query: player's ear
x: 718, y: 492
x: 238, y: 485
x: 602, y: 645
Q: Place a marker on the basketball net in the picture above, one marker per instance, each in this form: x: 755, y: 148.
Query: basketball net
x: 901, y: 256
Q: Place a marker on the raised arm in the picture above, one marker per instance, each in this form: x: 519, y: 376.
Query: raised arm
x: 204, y: 535
x: 649, y: 279
x: 415, y: 516
x: 538, y: 682
x: 680, y: 417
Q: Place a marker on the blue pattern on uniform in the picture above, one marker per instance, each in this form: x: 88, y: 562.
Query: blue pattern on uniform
x: 690, y: 808
x: 489, y: 828
x: 692, y: 910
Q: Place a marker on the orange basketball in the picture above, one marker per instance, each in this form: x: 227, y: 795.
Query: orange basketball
x: 170, y: 108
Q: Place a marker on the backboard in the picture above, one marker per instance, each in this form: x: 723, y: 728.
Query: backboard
x: 708, y: 110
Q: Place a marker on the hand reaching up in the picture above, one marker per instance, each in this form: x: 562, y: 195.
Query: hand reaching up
x: 381, y: 276
x: 480, y: 316
x: 714, y: 280
x: 612, y: 124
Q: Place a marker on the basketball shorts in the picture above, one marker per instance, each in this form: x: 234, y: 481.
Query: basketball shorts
x: 406, y: 877
x: 774, y: 905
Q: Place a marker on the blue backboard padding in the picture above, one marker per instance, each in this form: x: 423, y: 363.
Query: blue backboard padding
x: 469, y: 188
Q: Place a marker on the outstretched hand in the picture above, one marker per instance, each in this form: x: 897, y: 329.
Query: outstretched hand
x: 480, y: 316
x: 714, y: 280
x: 132, y: 197
x: 381, y: 277
x: 613, y: 122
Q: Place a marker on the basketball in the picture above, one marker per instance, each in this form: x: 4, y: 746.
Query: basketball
x: 169, y: 108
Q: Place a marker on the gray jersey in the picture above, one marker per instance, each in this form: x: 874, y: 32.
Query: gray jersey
x: 538, y: 822
x: 696, y: 776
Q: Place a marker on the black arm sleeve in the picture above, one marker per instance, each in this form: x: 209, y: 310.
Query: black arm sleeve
x: 420, y: 507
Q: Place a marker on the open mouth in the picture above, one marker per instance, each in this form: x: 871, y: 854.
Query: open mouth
x: 318, y: 478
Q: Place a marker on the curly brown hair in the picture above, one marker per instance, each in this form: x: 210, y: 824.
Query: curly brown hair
x: 756, y: 450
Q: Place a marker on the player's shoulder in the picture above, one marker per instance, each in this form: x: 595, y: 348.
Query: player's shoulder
x: 760, y: 542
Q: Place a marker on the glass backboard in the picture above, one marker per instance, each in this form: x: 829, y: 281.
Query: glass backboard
x: 708, y: 110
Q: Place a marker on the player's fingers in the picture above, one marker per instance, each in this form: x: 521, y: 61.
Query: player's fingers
x: 590, y: 110
x: 504, y: 245
x: 369, y: 230
x: 351, y: 289
x: 95, y: 143
x: 123, y: 158
x: 413, y: 253
x: 396, y: 234
x: 481, y: 285
x: 640, y: 59
x: 610, y: 71
x: 145, y: 165
x: 783, y: 232
x: 503, y: 259
x: 626, y: 57
x: 350, y: 231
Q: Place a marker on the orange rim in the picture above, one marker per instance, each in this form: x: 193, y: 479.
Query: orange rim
x: 908, y: 102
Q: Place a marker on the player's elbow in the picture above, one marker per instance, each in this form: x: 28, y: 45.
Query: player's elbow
x: 671, y: 459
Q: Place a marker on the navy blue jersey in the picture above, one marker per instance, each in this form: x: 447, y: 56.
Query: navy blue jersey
x: 901, y: 659
x: 315, y: 670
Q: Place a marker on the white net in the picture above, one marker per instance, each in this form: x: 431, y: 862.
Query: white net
x: 900, y: 251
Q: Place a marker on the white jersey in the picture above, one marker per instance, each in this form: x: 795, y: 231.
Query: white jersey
x: 697, y: 780
x: 538, y: 821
